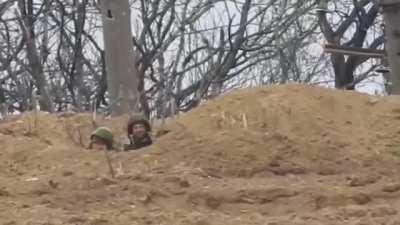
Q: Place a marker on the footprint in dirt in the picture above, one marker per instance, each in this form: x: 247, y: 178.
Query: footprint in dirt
x: 10, y: 223
x: 77, y: 220
x: 99, y: 222
x: 4, y: 193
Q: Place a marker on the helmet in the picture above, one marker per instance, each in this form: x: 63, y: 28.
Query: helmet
x: 138, y: 119
x: 104, y: 134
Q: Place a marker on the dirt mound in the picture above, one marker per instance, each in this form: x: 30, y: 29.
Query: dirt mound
x: 281, y: 155
x: 296, y: 127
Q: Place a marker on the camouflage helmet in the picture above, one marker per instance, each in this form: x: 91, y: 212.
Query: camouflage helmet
x: 105, y: 134
x: 138, y: 119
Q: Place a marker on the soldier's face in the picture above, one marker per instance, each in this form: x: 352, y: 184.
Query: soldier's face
x: 138, y: 130
x: 98, y: 144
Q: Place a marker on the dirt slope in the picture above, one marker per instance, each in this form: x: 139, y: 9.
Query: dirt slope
x: 281, y: 155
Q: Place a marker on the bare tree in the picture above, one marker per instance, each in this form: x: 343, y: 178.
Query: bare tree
x: 217, y: 44
x: 350, y: 28
x: 185, y: 51
x: 27, y: 25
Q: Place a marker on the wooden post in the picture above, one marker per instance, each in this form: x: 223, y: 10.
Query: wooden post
x: 122, y: 75
x: 391, y: 16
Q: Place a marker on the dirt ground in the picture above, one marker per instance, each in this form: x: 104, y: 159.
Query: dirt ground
x: 282, y: 155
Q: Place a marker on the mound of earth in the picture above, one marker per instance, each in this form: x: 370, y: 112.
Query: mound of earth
x: 279, y: 155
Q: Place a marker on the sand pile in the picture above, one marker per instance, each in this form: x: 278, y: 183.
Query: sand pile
x: 281, y: 155
x: 251, y: 130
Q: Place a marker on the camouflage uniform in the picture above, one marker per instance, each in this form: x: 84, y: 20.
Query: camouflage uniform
x: 138, y: 142
x: 104, y: 134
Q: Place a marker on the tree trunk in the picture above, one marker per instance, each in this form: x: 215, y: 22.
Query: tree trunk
x: 78, y: 81
x: 391, y: 15
x: 122, y: 75
x: 35, y: 65
x: 3, y: 103
x: 364, y: 18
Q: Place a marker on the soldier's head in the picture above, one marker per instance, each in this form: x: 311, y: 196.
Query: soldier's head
x: 101, y: 139
x: 138, y: 126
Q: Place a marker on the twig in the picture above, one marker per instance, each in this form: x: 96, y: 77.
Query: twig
x: 94, y: 123
x: 36, y: 103
x: 29, y: 131
x: 244, y: 118
x: 80, y: 138
x: 120, y: 170
x: 94, y: 109
x: 112, y: 172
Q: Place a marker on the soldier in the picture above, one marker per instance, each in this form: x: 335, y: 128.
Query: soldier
x: 138, y: 130
x: 101, y: 139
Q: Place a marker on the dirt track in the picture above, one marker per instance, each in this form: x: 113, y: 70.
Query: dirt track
x: 277, y: 156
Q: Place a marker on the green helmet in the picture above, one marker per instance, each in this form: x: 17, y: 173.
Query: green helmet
x: 138, y: 118
x: 104, y: 134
